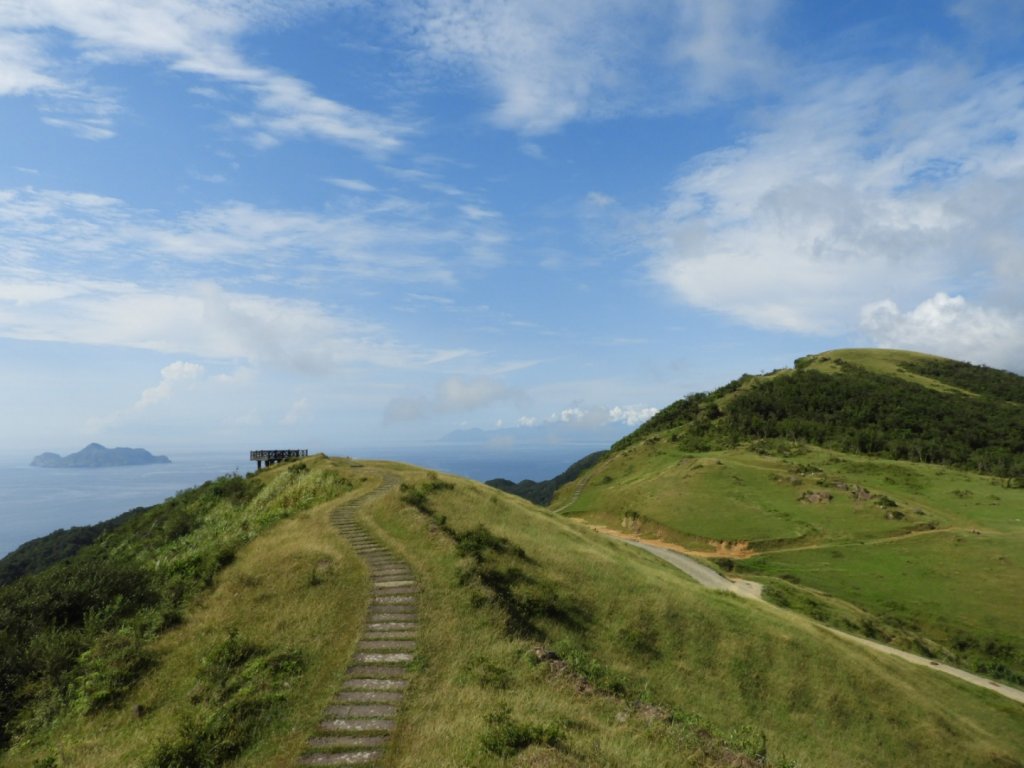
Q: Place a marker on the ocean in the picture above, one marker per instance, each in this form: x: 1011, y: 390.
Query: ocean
x: 35, y: 501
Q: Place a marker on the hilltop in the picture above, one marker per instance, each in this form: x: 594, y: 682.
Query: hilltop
x: 95, y: 455
x: 215, y: 628
x: 876, y: 491
x: 884, y: 403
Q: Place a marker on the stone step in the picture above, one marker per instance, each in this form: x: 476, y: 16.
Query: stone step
x: 363, y: 712
x: 368, y: 697
x: 346, y: 742
x: 364, y: 757
x: 373, y: 684
x: 368, y: 711
x: 390, y: 635
x: 385, y: 645
x: 391, y: 626
x: 411, y: 590
x: 357, y: 725
x: 382, y: 658
x: 378, y: 671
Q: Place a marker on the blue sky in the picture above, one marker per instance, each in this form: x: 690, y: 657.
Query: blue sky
x: 341, y: 224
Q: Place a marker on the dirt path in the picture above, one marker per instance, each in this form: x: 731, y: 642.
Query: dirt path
x: 711, y: 579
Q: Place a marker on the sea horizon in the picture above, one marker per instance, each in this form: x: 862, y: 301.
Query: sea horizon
x: 35, y: 501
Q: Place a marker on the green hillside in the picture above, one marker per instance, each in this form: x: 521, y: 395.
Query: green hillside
x: 213, y: 630
x: 874, y: 490
x: 884, y: 403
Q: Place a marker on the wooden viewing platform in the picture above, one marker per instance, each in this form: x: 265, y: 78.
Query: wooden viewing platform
x: 273, y: 457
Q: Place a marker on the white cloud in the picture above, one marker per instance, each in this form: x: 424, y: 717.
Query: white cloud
x: 990, y: 19
x: 201, y: 320
x: 599, y: 416
x: 352, y: 185
x: 723, y: 44
x: 23, y: 63
x: 891, y: 184
x: 598, y: 200
x: 455, y: 394
x: 949, y: 326
x: 175, y: 378
x: 476, y: 213
x: 392, y: 242
x: 172, y: 377
x: 532, y: 149
x: 189, y: 36
x: 296, y: 413
x: 552, y: 63
x: 93, y: 130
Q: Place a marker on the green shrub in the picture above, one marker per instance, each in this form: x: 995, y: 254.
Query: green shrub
x: 505, y: 736
x: 238, y: 692
x: 108, y: 670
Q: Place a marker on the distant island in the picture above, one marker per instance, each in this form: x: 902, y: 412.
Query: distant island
x: 95, y: 455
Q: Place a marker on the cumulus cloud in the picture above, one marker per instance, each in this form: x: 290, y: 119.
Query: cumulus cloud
x: 599, y: 416
x: 174, y: 376
x: 890, y: 184
x: 949, y: 326
x: 189, y: 36
x: 455, y: 394
x: 552, y: 63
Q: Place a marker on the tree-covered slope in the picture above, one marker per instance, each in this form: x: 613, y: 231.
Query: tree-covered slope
x: 881, y: 403
x: 542, y: 491
x: 44, y: 551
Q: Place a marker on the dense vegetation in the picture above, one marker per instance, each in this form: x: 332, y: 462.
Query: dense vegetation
x: 858, y: 410
x: 541, y: 492
x: 77, y: 636
x: 980, y: 379
x: 40, y: 553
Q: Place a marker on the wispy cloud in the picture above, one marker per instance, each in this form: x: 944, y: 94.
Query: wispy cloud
x: 455, y: 394
x: 395, y: 242
x: 552, y: 63
x: 887, y: 185
x: 199, y: 38
x: 201, y: 320
x: 352, y: 185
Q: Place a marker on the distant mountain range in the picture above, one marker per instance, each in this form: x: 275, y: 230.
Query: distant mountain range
x: 95, y: 455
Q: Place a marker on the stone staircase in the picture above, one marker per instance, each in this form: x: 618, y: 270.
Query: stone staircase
x: 357, y: 723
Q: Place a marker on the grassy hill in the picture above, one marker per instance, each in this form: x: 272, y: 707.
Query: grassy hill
x: 227, y: 617
x: 882, y: 403
x: 802, y: 479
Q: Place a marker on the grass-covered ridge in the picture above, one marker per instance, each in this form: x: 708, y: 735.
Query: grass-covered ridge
x: 545, y: 644
x: 77, y: 638
x: 883, y: 403
x: 541, y: 644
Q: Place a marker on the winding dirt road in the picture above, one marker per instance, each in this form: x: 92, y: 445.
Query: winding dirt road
x: 711, y: 579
